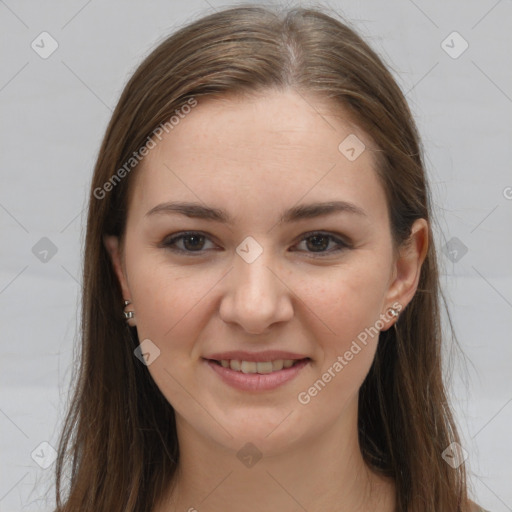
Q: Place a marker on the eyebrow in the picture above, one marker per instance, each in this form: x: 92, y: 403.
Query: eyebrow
x: 294, y: 214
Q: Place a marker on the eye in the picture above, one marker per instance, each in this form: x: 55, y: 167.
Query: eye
x: 190, y: 242
x: 194, y: 242
x: 318, y: 242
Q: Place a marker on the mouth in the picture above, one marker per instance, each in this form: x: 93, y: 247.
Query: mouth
x: 257, y: 376
x: 259, y: 367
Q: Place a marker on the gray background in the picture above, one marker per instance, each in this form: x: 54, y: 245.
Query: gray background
x: 55, y: 111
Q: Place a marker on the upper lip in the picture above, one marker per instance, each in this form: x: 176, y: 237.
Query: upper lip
x: 267, y: 355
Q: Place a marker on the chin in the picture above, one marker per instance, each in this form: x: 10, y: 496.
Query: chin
x: 272, y: 431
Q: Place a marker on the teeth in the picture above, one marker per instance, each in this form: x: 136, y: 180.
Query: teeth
x: 248, y: 366
x: 257, y: 367
x: 277, y: 364
x: 265, y: 367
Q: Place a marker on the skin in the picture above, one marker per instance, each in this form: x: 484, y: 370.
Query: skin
x: 256, y: 157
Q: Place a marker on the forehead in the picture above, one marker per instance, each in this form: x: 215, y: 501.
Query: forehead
x: 232, y: 124
x: 277, y: 146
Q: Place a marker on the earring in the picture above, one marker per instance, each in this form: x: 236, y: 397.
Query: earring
x: 128, y: 314
x: 395, y: 313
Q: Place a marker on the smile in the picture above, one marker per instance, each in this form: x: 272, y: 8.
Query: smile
x: 261, y: 367
x: 257, y: 375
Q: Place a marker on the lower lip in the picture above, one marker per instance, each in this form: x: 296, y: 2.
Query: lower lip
x: 256, y: 381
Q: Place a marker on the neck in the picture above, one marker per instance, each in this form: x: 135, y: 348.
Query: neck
x: 324, y: 472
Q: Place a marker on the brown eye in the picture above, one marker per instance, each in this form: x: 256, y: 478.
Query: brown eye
x: 317, y: 242
x: 186, y: 242
x: 193, y: 242
x: 320, y: 243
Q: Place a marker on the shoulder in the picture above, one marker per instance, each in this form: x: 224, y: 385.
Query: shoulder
x: 476, y: 508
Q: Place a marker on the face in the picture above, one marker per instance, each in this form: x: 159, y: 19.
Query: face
x: 254, y: 274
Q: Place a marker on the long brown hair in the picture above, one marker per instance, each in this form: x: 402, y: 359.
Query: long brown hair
x: 119, y: 448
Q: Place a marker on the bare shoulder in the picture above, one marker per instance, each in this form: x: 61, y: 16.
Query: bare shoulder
x: 476, y: 508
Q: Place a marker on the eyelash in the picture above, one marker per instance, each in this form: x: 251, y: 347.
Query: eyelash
x: 342, y: 245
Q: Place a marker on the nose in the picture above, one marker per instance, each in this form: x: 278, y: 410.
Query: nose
x: 256, y: 296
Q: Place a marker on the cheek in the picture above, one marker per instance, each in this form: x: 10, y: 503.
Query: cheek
x: 347, y: 303
x: 170, y: 301
x: 350, y: 306
x: 172, y: 311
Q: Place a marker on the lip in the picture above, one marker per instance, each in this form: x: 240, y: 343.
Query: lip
x: 256, y: 381
x: 267, y: 355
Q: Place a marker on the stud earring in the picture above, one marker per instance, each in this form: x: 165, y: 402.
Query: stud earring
x: 395, y: 313
x: 128, y: 314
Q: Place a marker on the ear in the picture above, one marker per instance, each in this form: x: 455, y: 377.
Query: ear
x: 114, y: 249
x: 406, y: 274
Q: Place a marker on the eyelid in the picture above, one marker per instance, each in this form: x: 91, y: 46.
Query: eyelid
x: 342, y: 243
x: 168, y: 240
x: 339, y: 239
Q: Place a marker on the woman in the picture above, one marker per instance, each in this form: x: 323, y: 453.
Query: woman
x: 255, y: 368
